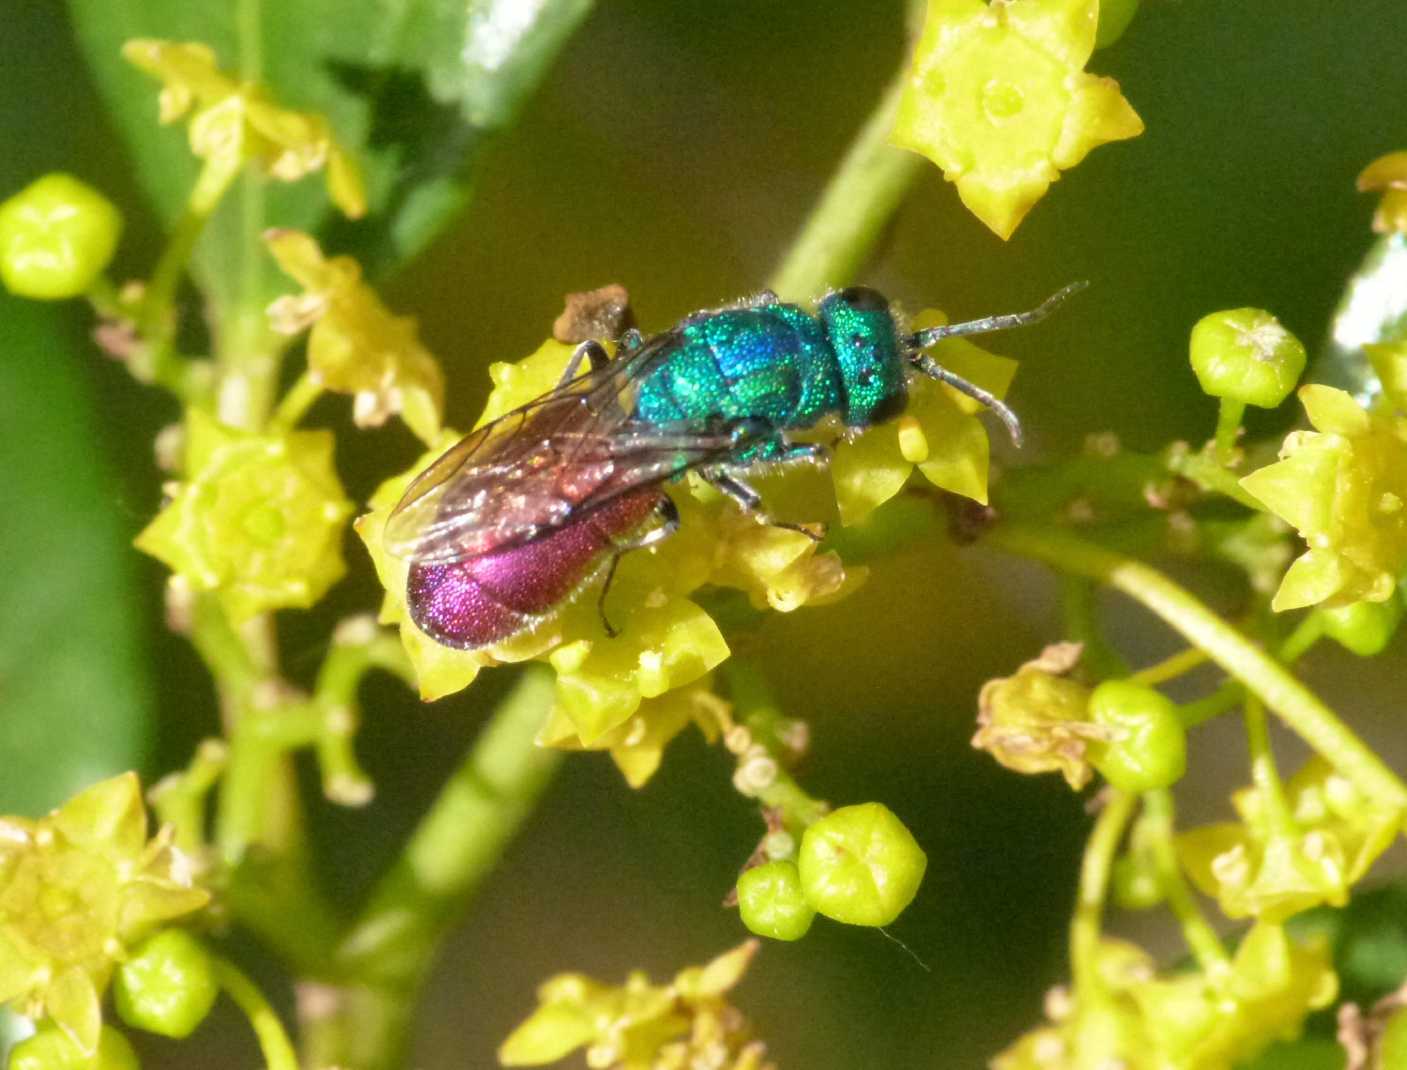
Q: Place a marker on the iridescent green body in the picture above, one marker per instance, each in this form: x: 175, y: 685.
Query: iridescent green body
x: 780, y: 365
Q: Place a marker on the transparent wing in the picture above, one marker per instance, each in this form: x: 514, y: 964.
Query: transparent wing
x: 550, y: 461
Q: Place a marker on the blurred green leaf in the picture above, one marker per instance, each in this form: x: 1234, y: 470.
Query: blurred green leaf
x: 1373, y: 309
x: 74, y: 697
x: 413, y: 88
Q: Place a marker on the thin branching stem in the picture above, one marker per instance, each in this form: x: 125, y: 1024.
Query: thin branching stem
x: 1259, y: 672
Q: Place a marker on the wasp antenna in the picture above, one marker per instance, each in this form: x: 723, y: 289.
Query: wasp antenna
x: 934, y: 370
x: 924, y: 339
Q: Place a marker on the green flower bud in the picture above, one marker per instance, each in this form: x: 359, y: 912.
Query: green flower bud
x: 56, y: 236
x: 1147, y: 745
x: 52, y: 1049
x: 1365, y: 628
x: 1245, y: 355
x: 771, y: 902
x: 860, y: 865
x: 168, y: 985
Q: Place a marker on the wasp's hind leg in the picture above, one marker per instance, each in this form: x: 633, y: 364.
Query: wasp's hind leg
x: 749, y: 501
x: 669, y: 517
x: 591, y: 351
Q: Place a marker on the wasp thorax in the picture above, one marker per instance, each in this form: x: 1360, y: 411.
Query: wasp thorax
x: 865, y: 339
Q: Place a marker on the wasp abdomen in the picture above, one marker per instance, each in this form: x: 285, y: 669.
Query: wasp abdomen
x: 494, y: 596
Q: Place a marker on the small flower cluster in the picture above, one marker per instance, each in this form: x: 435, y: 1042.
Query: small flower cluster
x: 232, y: 122
x: 1043, y: 720
x: 1270, y: 868
x: 1343, y: 486
x: 641, y: 1026
x: 258, y: 518
x: 356, y: 346
x: 80, y: 891
x: 1133, y: 1017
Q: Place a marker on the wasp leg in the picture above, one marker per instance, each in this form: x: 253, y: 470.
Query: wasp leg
x: 591, y: 351
x: 815, y: 452
x: 669, y: 515
x: 749, y: 501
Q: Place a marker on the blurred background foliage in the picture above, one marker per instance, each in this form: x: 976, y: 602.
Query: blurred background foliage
x: 676, y: 147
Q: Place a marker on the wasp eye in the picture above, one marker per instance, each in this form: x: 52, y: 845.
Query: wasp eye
x: 863, y: 299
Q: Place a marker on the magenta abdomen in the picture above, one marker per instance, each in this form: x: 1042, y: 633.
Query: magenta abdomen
x: 493, y: 596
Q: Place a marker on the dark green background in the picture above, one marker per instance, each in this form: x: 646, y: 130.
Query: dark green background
x: 676, y: 148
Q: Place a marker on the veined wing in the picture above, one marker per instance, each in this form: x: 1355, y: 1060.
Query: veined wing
x: 545, y: 463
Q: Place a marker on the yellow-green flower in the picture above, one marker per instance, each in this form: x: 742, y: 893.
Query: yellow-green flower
x: 77, y: 888
x: 1274, y: 983
x: 356, y: 346
x: 999, y: 99
x: 233, y: 121
x: 258, y: 519
x: 610, y: 689
x: 1256, y: 869
x: 639, y: 1026
x: 1389, y: 174
x: 1344, y: 487
x: 1138, y: 1020
x: 940, y: 433
x: 637, y: 746
x: 1037, y: 720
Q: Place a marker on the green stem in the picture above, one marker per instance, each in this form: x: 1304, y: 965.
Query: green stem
x: 861, y: 197
x: 756, y: 708
x: 1184, y: 661
x: 1201, y: 938
x: 1078, y: 599
x: 1228, y: 425
x: 1308, y: 632
x: 1098, y: 860
x: 1261, y: 674
x: 1264, y: 774
x: 296, y: 403
x: 158, y: 361
x: 383, y: 960
x: 1227, y: 697
x: 179, y: 799
x: 273, y: 1038
x: 1205, y: 470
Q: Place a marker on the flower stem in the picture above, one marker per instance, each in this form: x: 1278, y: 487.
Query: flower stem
x: 861, y: 197
x: 1228, y: 425
x: 296, y: 403
x: 1184, y: 661
x: 1094, y: 887
x: 1081, y: 612
x: 1196, y: 930
x: 1264, y: 774
x: 1261, y: 674
x: 273, y: 1038
x: 1208, y: 473
x: 361, y: 1018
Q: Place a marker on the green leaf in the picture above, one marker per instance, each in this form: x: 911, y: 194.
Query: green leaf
x: 413, y: 88
x: 75, y: 703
